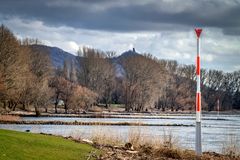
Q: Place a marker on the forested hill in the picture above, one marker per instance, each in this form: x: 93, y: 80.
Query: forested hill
x: 59, y: 57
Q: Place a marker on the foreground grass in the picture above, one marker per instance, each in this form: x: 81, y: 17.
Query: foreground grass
x: 27, y: 146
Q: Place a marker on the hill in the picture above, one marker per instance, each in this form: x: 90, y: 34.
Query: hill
x: 59, y: 56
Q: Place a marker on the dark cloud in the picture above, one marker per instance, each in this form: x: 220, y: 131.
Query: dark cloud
x: 125, y: 16
x: 114, y: 25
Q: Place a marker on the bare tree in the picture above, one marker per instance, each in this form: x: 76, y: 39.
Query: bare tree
x: 82, y: 98
x: 14, y: 67
x: 67, y: 92
x: 142, y: 82
x: 55, y: 84
x: 97, y: 73
x: 73, y: 73
x: 42, y: 72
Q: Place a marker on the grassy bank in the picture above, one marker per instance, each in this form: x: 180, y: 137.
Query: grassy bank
x: 23, y: 146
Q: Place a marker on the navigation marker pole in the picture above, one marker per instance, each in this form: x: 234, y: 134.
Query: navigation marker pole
x: 198, y: 97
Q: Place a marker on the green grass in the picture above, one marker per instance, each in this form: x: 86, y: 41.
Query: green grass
x: 117, y: 105
x: 28, y: 146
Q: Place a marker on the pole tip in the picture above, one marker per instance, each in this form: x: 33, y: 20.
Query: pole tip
x: 198, y: 31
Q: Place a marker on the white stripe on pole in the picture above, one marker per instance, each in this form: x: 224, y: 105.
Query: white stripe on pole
x: 198, y: 46
x: 198, y: 117
x: 198, y: 86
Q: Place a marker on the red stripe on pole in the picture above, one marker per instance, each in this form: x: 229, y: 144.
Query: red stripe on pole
x: 198, y: 102
x: 198, y: 66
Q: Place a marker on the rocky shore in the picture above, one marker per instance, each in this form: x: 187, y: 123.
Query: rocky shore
x: 147, y: 152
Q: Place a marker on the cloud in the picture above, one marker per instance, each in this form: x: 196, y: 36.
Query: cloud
x: 237, y: 67
x: 208, y: 57
x: 163, y: 28
x: 126, y: 16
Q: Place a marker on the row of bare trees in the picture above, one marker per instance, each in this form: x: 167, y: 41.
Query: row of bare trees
x: 97, y: 73
x: 142, y: 82
x: 27, y: 77
x: 74, y: 96
x: 216, y: 85
x: 147, y: 82
x: 25, y: 73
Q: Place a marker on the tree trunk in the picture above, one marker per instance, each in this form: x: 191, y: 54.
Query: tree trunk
x: 37, y: 111
x: 55, y: 108
x: 65, y: 107
x: 4, y: 105
x: 127, y: 107
x: 56, y: 103
x: 24, y: 106
x: 9, y: 104
x: 14, y: 106
x: 27, y: 106
x: 106, y: 103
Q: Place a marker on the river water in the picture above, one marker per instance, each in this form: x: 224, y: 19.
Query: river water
x: 217, y: 132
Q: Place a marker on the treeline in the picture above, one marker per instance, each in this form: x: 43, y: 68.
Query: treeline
x: 24, y: 73
x: 147, y: 83
x: 140, y: 82
x: 27, y: 78
x: 215, y: 85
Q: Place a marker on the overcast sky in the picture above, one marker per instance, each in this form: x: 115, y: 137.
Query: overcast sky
x: 164, y: 28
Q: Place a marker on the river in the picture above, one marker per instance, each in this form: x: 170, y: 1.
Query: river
x: 217, y: 132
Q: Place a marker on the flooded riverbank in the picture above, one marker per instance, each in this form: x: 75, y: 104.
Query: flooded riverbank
x: 217, y: 132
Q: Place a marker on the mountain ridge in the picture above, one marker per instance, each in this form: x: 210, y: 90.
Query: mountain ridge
x: 58, y: 56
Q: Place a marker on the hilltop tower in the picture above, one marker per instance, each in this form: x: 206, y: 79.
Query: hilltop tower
x: 134, y: 50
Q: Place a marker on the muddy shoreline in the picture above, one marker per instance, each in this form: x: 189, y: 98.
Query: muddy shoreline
x: 88, y: 123
x: 127, y: 115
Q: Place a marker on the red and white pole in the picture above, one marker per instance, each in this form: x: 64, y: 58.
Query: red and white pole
x: 198, y: 96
